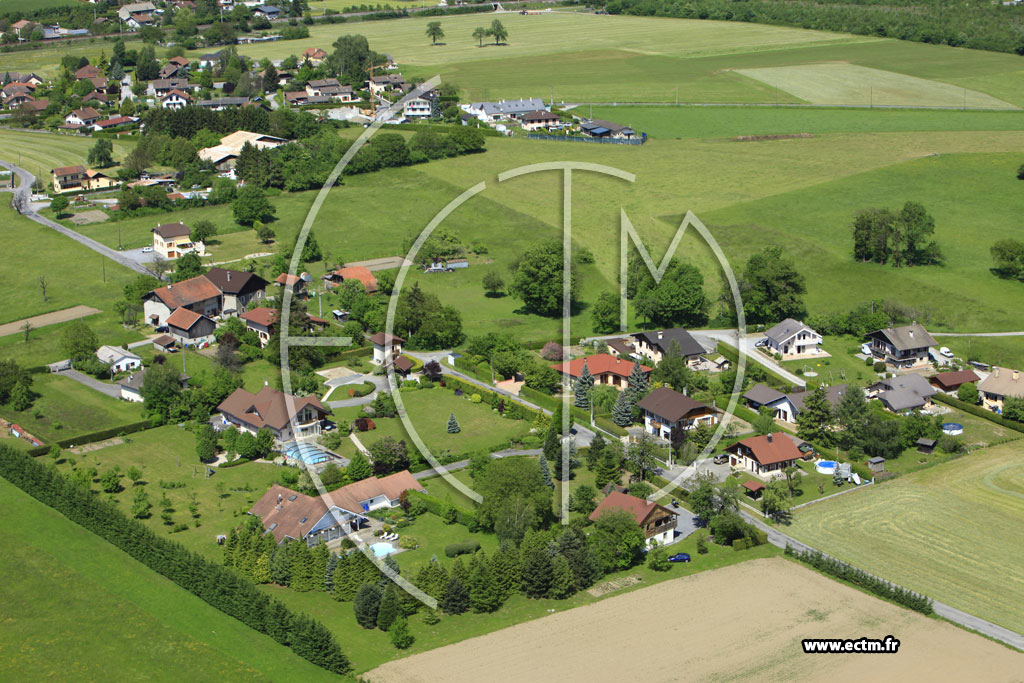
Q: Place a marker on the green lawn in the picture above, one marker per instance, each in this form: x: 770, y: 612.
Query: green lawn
x: 648, y: 59
x: 39, y: 152
x: 198, y: 366
x: 1002, y: 351
x: 721, y: 122
x: 807, y: 489
x: 841, y: 368
x: 167, y: 454
x: 67, y: 409
x: 32, y: 251
x: 948, y: 531
x: 44, y: 344
x: 76, y: 607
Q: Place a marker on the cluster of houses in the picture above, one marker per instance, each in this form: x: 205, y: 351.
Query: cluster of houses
x: 532, y: 115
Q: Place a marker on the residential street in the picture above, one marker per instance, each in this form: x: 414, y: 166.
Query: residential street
x: 22, y: 199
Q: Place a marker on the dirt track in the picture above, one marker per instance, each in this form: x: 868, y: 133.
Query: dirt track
x: 743, y: 622
x: 45, y: 319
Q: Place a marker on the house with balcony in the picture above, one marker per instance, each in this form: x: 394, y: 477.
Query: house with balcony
x: 656, y: 344
x: 175, y: 99
x: 84, y: 116
x: 379, y: 85
x: 666, y: 411
x: 288, y: 417
x: 656, y: 521
x: 903, y: 394
x: 793, y: 339
x: 421, y: 107
x: 787, y: 407
x: 999, y: 384
x: 902, y: 348
x: 174, y: 240
x: 539, y: 120
x: 331, y: 88
x: 764, y: 456
x: 386, y: 348
x: 68, y: 179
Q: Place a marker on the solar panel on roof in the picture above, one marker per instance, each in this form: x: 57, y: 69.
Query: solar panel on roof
x: 272, y: 526
x: 292, y: 497
x: 302, y: 521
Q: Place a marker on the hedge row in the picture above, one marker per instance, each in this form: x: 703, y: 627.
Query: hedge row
x: 436, y: 506
x: 857, y: 577
x: 211, y: 582
x: 605, y: 423
x: 93, y: 437
x: 461, y: 548
x: 978, y: 411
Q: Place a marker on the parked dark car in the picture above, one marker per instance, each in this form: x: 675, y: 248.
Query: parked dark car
x: 679, y: 557
x: 163, y: 328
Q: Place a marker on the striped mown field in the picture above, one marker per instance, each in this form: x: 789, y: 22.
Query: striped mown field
x: 952, y: 532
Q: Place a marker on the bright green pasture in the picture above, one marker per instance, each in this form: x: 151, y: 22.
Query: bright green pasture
x: 722, y: 122
x: 946, y: 531
x: 76, y: 607
x: 64, y: 409
x: 39, y: 152
x: 850, y: 84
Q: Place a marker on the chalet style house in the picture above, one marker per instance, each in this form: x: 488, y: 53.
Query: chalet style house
x: 667, y: 411
x: 902, y: 348
x: 386, y: 348
x: 1000, y: 383
x: 657, y: 521
x: 792, y: 339
x: 173, y: 240
x: 655, y: 345
x: 764, y: 456
x: 605, y: 369
x: 287, y: 417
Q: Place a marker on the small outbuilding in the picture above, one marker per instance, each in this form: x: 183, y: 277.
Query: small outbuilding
x: 876, y: 464
x: 925, y: 446
x: 754, y: 489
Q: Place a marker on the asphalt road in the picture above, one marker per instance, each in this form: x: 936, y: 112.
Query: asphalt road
x: 24, y: 206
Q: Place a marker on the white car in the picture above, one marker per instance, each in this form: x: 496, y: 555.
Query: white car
x: 944, y: 351
x: 147, y: 250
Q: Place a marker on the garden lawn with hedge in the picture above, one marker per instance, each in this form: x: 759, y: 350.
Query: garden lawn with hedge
x: 167, y: 454
x: 64, y: 409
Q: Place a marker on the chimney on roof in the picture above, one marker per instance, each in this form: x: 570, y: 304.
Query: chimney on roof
x: 997, y: 371
x: 266, y: 383
x: 279, y: 498
x: 660, y: 333
x: 229, y: 276
x: 769, y: 438
x: 1016, y: 375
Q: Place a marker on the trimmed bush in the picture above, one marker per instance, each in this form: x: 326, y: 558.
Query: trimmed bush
x: 93, y: 437
x: 461, y: 548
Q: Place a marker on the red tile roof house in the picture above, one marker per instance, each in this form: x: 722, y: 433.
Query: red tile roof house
x: 764, y: 456
x: 287, y: 514
x: 605, y: 368
x: 195, y: 294
x: 657, y: 521
x: 288, y: 417
x: 360, y: 273
x: 666, y: 410
x: 190, y: 328
x: 262, y: 321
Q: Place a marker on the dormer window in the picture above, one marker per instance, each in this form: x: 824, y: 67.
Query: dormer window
x: 303, y: 520
x: 292, y: 497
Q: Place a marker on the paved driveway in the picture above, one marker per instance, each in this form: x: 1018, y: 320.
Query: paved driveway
x: 111, y: 390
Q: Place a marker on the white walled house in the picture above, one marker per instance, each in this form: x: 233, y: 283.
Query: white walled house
x: 287, y: 417
x: 793, y: 339
x: 386, y: 348
x: 119, y: 360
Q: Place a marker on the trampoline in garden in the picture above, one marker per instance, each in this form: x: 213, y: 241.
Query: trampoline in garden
x: 952, y: 428
x: 309, y: 453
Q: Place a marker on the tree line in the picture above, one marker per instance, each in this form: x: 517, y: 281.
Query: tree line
x: 222, y: 588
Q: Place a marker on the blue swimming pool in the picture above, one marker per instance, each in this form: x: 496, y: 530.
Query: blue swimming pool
x: 952, y: 428
x: 382, y: 549
x: 826, y: 466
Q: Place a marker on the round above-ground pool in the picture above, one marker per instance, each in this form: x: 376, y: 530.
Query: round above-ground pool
x: 952, y: 428
x: 826, y: 466
x: 382, y: 549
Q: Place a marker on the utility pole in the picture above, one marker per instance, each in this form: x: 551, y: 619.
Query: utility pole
x: 103, y: 266
x: 677, y: 95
